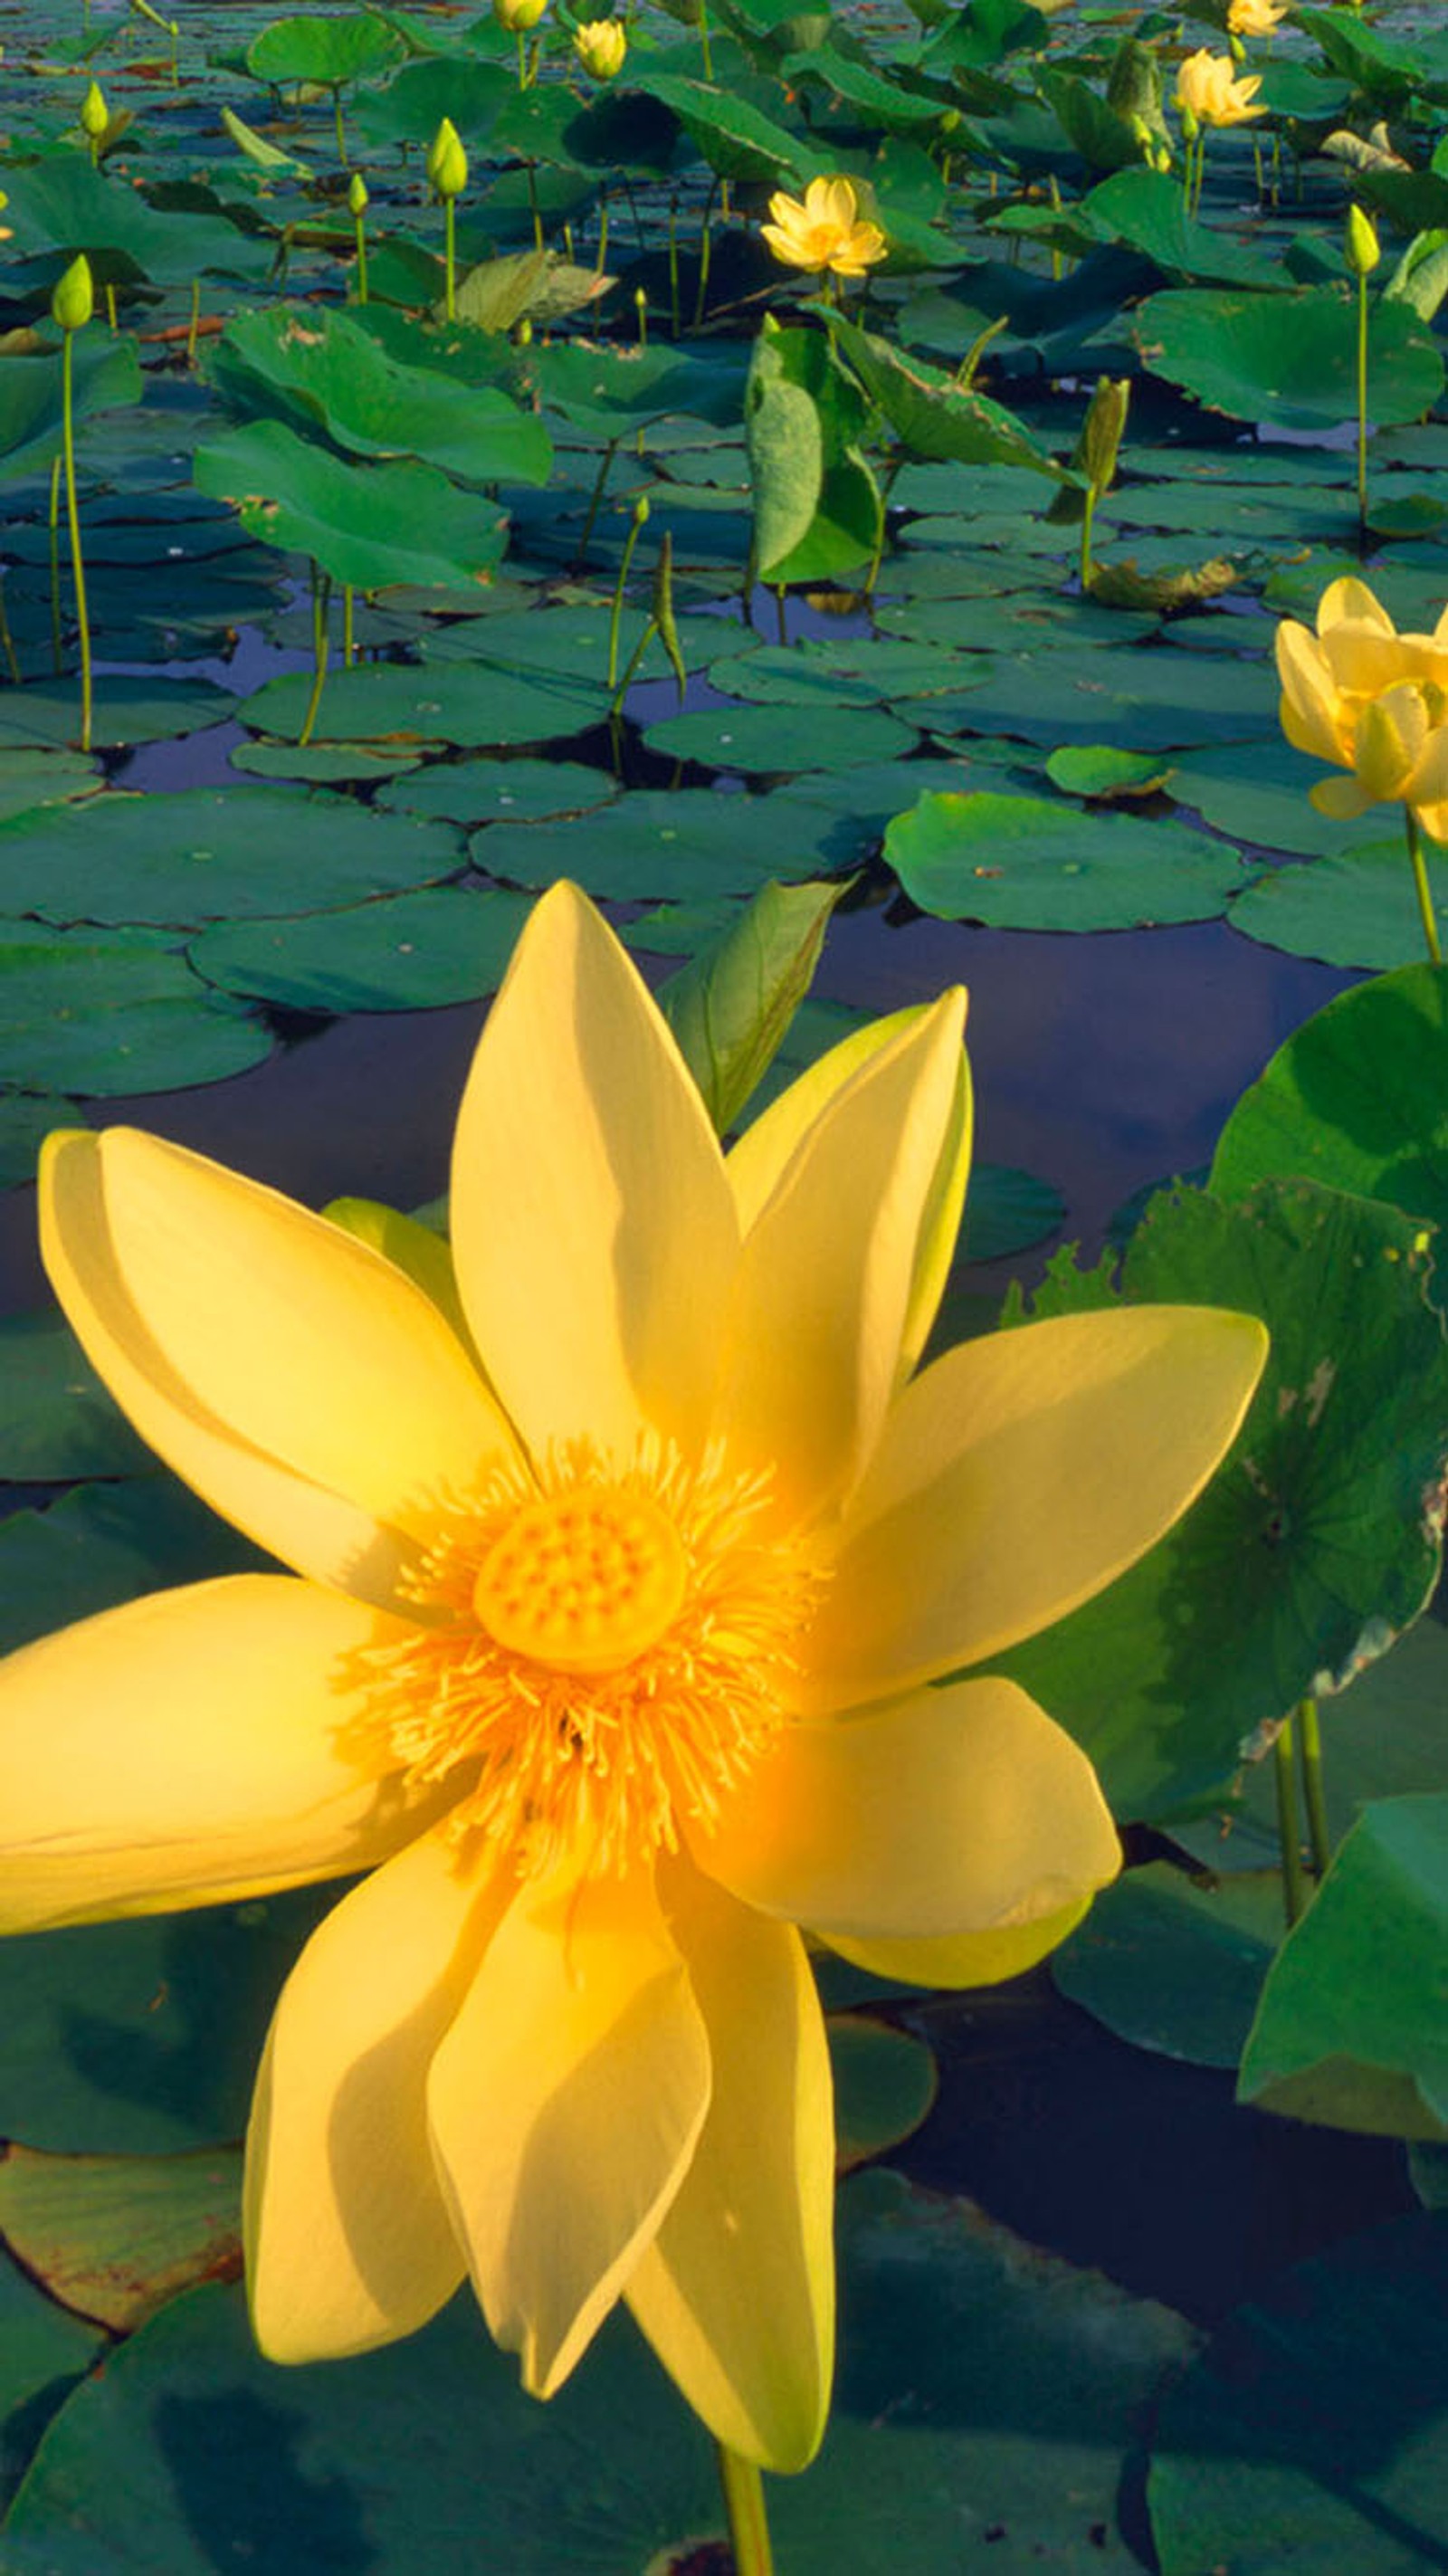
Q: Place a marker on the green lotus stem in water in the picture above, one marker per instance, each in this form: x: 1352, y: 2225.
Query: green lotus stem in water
x: 1420, y: 881
x: 56, y: 652
x: 1309, y: 1754
x: 744, y: 2503
x: 1363, y: 255
x: 341, y: 131
x: 1289, y: 1848
x: 71, y: 305
x: 595, y: 498
x: 673, y: 269
x: 321, y: 594
x: 705, y: 48
x: 348, y: 645
x: 640, y: 522
x: 357, y: 208
x: 195, y: 322
x: 641, y: 309
x: 602, y: 232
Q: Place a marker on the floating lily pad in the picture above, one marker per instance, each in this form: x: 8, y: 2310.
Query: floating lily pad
x: 322, y: 764
x: 127, y: 710
x: 407, y: 952
x: 1357, y: 910
x: 103, y: 1013
x: 773, y: 738
x: 1176, y: 1964
x: 58, y: 1419
x: 1149, y: 698
x: 31, y: 780
x: 207, y: 854
x: 1021, y: 863
x: 1007, y: 1211
x: 499, y: 791
x: 469, y: 706
x: 114, y: 2237
x: 42, y: 2353
x: 1289, y: 358
x: 26, y: 1119
x: 363, y: 523
x: 885, y: 2085
x: 1313, y: 2432
x: 1258, y: 794
x: 1098, y: 770
x: 690, y: 844
x: 102, y: 1544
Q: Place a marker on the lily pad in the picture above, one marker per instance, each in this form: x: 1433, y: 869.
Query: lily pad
x: 59, y: 1421
x: 26, y: 1119
x: 1146, y: 698
x: 1289, y: 358
x: 1174, y: 1963
x: 1357, y: 910
x: 1021, y: 863
x: 114, y: 2237
x: 127, y: 710
x: 103, y: 1013
x: 42, y: 2353
x: 1258, y: 794
x: 102, y: 1544
x: 885, y: 2086
x: 367, y: 524
x: 408, y: 952
x: 689, y: 844
x: 772, y: 738
x: 467, y: 705
x: 32, y: 780
x: 1007, y: 1211
x: 499, y: 791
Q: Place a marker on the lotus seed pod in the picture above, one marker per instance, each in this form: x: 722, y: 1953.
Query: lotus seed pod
x: 1363, y: 247
x: 357, y: 194
x: 73, y: 297
x: 95, y: 116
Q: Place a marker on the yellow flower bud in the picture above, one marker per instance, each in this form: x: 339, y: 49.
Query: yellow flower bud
x: 518, y: 16
x: 447, y: 162
x: 357, y: 200
x: 1363, y: 247
x: 73, y: 297
x: 95, y: 116
x: 1105, y: 425
x: 601, y: 45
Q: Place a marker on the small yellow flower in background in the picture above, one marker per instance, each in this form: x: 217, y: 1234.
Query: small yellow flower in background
x: 447, y: 162
x: 95, y: 116
x: 601, y: 45
x: 612, y: 1660
x: 1255, y: 17
x: 73, y: 296
x: 1206, y: 86
x: 518, y: 16
x: 1371, y: 701
x: 824, y: 230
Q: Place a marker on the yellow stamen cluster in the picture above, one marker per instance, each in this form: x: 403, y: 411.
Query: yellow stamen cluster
x: 600, y: 1654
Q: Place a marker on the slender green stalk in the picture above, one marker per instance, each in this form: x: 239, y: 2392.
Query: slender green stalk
x: 522, y: 59
x: 57, y: 653
x: 1309, y: 1754
x: 595, y: 499
x: 77, y: 566
x: 1289, y: 1848
x: 1088, y: 513
x: 348, y: 646
x: 1420, y: 880
x: 111, y: 306
x: 640, y: 520
x: 886, y: 488
x: 449, y: 223
x: 1055, y: 186
x: 341, y: 133
x: 359, y: 226
x: 533, y: 206
x: 321, y: 594
x: 1362, y: 412
x: 641, y: 316
x: 781, y: 617
x: 704, y: 45
x: 744, y: 2503
x: 706, y: 245
x: 602, y: 232
x: 195, y: 322
x: 673, y: 268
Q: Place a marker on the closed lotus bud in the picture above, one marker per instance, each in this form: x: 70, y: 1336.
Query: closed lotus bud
x: 436, y: 149
x: 601, y: 46
x: 95, y: 116
x: 357, y: 194
x: 447, y: 162
x: 518, y: 16
x: 73, y: 297
x: 1363, y: 247
x: 641, y: 511
x: 1105, y: 425
x: 1159, y: 155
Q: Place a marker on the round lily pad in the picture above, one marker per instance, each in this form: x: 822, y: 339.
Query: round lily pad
x: 30, y: 780
x: 781, y: 738
x: 1150, y: 698
x: 1176, y: 1964
x: 1007, y: 1211
x: 690, y: 843
x: 885, y: 2085
x: 114, y: 2237
x: 322, y: 764
x: 408, y: 952
x: 103, y: 1013
x: 1289, y: 358
x: 58, y: 1420
x: 499, y: 791
x: 26, y: 1119
x: 1258, y: 794
x: 207, y: 854
x: 43, y: 2351
x: 1358, y: 910
x: 127, y: 710
x: 1021, y: 863
x: 470, y: 705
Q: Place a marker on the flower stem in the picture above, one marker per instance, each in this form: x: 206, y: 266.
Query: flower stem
x: 615, y: 620
x: 744, y: 2504
x: 348, y: 646
x: 1420, y: 880
x: 1088, y: 513
x: 450, y: 249
x: 57, y: 654
x: 73, y: 519
x: 1289, y: 1849
x: 1309, y: 1751
x: 1362, y: 412
x: 321, y: 594
x: 341, y: 130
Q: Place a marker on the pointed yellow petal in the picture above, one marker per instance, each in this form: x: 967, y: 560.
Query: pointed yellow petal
x: 1342, y: 798
x: 1309, y: 707
x: 296, y: 1379
x: 1428, y: 784
x: 424, y: 1255
x: 1019, y: 1475
x: 973, y: 1959
x: 1390, y: 733
x: 737, y: 2291
x: 593, y: 1228
x: 824, y: 1288
x: 964, y: 1809
x: 758, y: 1161
x: 1434, y: 820
x: 565, y: 2104
x: 190, y: 1747
x: 1351, y: 598
x: 349, y: 2243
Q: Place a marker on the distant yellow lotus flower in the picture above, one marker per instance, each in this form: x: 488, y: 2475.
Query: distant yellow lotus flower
x: 601, y: 45
x: 612, y: 1661
x: 1371, y: 701
x: 824, y: 230
x: 518, y: 16
x: 1255, y: 17
x: 1206, y: 86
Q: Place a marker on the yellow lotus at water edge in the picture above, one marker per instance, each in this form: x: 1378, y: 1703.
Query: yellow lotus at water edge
x: 823, y: 230
x: 1207, y: 84
x: 1373, y: 702
x: 615, y: 1647
x: 601, y: 45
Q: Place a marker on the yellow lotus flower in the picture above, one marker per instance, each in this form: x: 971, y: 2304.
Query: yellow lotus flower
x: 1371, y: 701
x: 823, y: 230
x: 1254, y: 17
x: 1206, y: 86
x: 518, y: 16
x: 601, y: 45
x: 612, y: 1662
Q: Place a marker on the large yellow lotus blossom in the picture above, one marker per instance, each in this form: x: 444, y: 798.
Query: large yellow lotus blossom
x: 1371, y: 701
x: 601, y: 45
x: 1205, y: 85
x: 615, y: 1646
x: 823, y: 230
x: 1255, y: 17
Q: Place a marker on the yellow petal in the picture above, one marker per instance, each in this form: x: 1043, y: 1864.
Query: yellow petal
x: 190, y: 1747
x: 423, y: 1254
x: 593, y: 1227
x: 1390, y: 734
x: 296, y: 1379
x: 1349, y: 598
x: 565, y: 2104
x: 1362, y: 660
x: 1434, y: 820
x: 1019, y: 1475
x: 737, y: 2291
x: 964, y: 1809
x: 824, y: 1286
x: 1309, y: 708
x: 973, y: 1959
x: 1342, y: 798
x: 758, y: 1161
x: 348, y: 2237
x: 1428, y: 783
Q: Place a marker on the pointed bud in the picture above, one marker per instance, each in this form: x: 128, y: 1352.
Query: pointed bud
x: 1363, y: 248
x: 1102, y: 435
x: 357, y: 194
x: 450, y: 176
x: 73, y: 297
x: 95, y: 116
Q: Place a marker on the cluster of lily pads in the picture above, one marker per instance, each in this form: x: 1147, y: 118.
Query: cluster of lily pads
x: 764, y: 463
